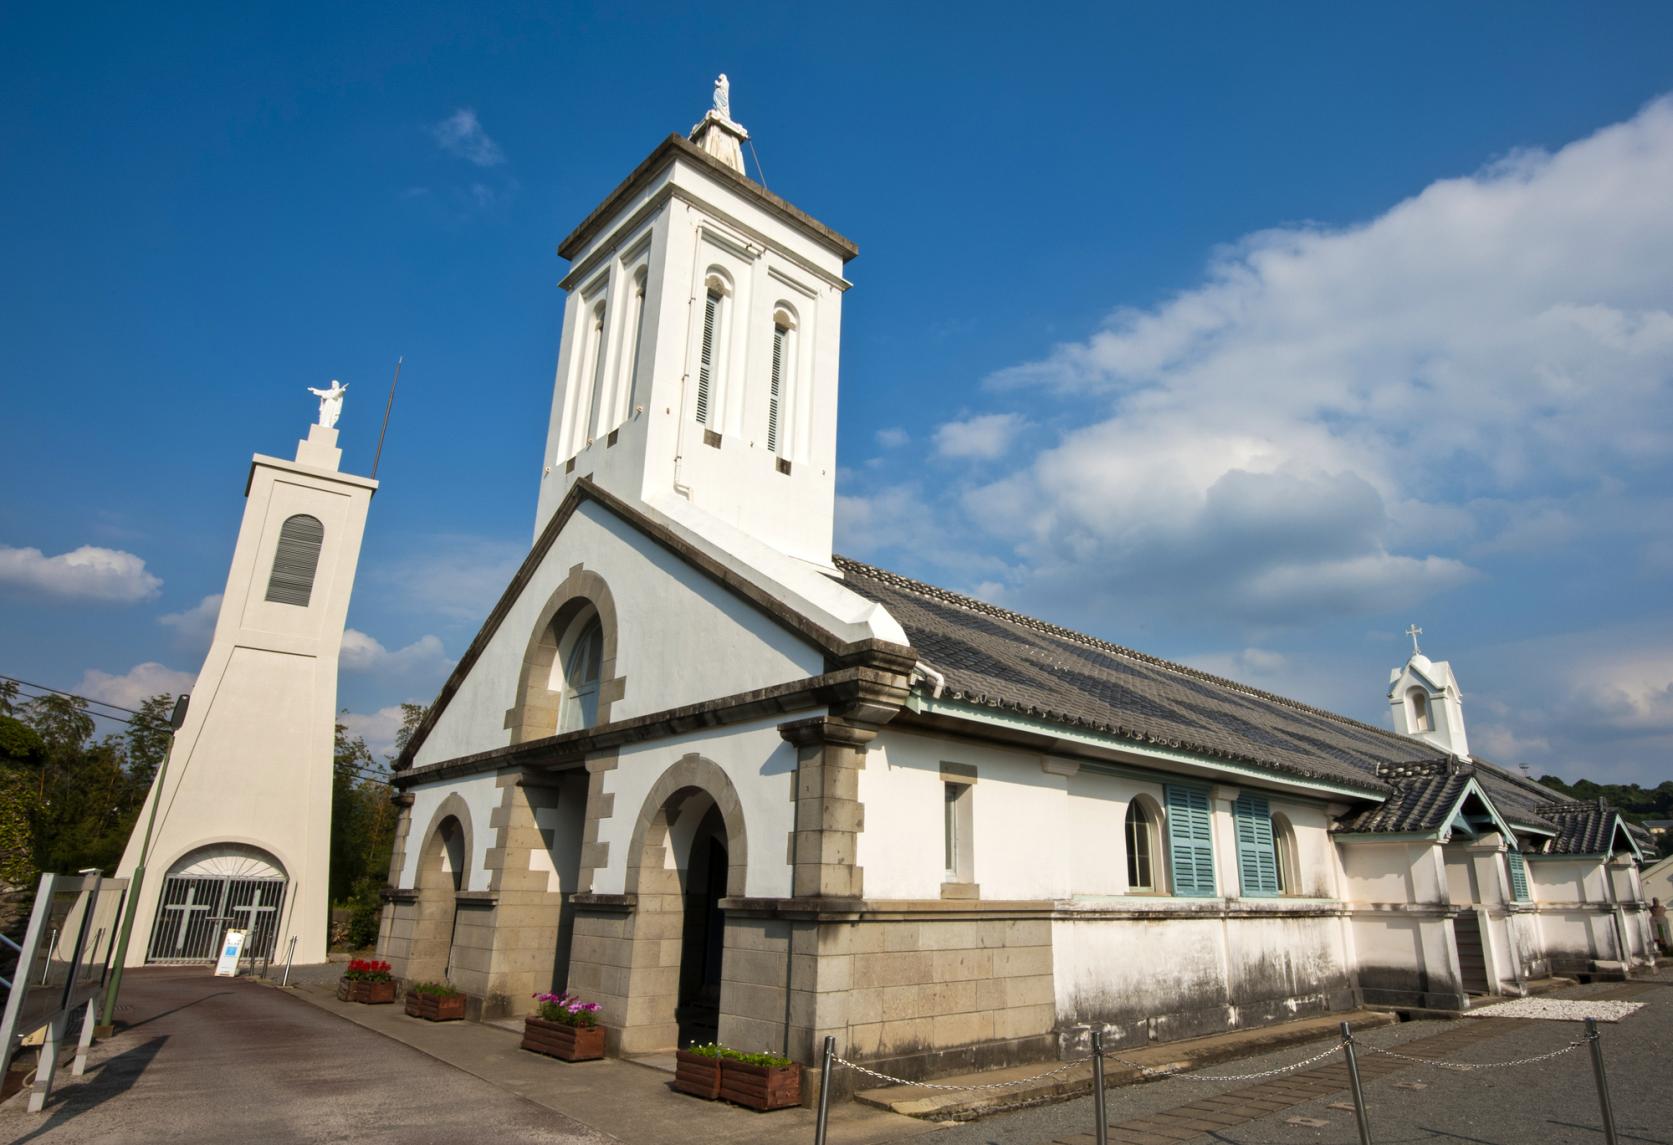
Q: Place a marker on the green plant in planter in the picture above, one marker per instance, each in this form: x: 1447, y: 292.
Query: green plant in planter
x: 435, y: 989
x: 764, y: 1059
x: 708, y: 1050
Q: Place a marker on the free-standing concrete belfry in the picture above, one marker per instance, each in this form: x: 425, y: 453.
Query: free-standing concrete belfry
x: 243, y: 826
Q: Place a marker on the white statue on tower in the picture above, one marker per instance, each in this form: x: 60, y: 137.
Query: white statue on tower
x: 330, y: 403
x: 723, y: 97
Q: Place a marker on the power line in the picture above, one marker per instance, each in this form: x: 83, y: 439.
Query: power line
x: 73, y: 696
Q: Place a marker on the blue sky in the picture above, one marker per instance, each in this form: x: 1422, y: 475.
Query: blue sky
x: 1244, y: 335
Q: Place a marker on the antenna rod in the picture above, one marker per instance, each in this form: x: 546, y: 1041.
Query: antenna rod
x: 386, y: 408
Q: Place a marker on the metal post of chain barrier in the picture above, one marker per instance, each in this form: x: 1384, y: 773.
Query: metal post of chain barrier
x: 1353, y: 1083
x: 1101, y: 1131
x: 825, y: 1061
x: 1602, y: 1082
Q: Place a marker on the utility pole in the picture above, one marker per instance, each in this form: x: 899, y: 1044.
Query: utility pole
x: 175, y: 719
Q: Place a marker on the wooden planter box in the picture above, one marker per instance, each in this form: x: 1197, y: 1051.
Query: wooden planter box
x: 760, y: 1087
x: 568, y: 1043
x: 371, y: 993
x: 436, y: 1007
x: 697, y: 1075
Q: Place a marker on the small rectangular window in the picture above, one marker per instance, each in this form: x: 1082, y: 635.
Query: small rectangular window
x: 956, y: 830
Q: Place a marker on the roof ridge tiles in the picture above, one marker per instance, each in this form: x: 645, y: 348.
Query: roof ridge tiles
x: 849, y: 564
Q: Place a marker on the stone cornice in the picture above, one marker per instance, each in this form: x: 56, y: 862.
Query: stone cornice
x: 843, y: 690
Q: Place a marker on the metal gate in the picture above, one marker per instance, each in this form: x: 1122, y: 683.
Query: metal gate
x: 195, y: 912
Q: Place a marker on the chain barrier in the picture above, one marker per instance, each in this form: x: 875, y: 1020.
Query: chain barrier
x: 1014, y: 1082
x: 1174, y: 1073
x: 1467, y: 1067
x: 1346, y: 1044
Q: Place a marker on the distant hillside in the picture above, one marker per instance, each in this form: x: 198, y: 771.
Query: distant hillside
x: 1636, y: 803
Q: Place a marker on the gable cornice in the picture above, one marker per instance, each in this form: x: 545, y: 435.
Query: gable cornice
x: 839, y: 653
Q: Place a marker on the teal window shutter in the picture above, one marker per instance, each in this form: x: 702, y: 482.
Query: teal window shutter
x: 1518, y: 876
x: 1190, y: 842
x: 1257, y: 857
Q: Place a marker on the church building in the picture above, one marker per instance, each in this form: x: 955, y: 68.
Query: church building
x: 701, y: 770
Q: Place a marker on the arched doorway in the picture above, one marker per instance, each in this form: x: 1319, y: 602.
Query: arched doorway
x: 211, y: 890
x: 441, y: 874
x: 703, y: 933
x: 688, y: 853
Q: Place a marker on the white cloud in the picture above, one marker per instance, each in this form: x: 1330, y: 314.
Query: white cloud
x: 983, y: 437
x: 376, y: 728
x: 363, y: 653
x: 892, y: 437
x: 1313, y: 428
x: 452, y: 575
x: 137, y: 684
x: 461, y: 135
x: 193, y: 627
x: 88, y: 573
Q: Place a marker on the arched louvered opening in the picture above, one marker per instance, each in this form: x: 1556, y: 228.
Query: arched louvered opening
x: 296, y: 560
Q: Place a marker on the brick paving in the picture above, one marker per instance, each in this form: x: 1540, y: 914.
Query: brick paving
x: 1262, y: 1099
x: 1253, y: 1102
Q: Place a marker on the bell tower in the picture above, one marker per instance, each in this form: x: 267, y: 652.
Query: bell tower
x: 699, y: 352
x: 1427, y: 702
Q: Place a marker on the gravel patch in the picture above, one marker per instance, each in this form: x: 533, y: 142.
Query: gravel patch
x: 1559, y: 1010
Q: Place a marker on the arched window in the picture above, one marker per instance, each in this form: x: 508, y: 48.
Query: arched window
x: 583, y: 655
x: 783, y: 379
x: 636, y: 334
x: 711, y: 353
x: 295, y: 560
x: 1144, y: 854
x: 1420, y: 710
x: 595, y: 372
x: 1284, y: 851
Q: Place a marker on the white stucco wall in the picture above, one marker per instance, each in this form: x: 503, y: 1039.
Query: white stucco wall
x: 1042, y: 828
x: 1116, y: 971
x: 1019, y: 844
x: 682, y: 638
x: 481, y: 795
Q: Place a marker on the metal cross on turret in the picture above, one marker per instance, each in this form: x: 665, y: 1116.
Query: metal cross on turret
x: 1414, y: 632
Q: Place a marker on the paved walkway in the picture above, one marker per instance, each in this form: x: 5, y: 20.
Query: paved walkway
x: 215, y: 1060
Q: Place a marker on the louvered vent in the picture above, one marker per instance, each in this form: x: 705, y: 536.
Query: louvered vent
x: 779, y: 335
x: 706, y: 363
x: 292, y: 581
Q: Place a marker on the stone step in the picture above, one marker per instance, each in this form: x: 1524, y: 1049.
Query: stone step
x: 1030, y: 1088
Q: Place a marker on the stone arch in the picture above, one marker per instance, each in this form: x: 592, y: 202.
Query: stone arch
x: 437, y: 886
x: 534, y: 712
x: 690, y: 774
x: 678, y: 914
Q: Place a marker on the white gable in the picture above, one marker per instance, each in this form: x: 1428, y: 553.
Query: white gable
x: 682, y: 638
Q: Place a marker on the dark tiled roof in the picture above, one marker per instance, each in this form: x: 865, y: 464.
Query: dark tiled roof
x: 1584, y: 827
x: 1424, y: 795
x: 1003, y: 659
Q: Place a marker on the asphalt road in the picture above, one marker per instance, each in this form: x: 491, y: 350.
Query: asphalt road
x: 227, y: 1062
